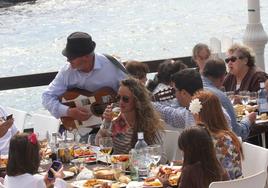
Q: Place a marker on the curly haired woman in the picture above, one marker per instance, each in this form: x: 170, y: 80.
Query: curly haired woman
x: 137, y: 115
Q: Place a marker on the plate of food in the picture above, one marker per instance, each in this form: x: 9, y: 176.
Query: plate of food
x: 82, y: 151
x: 91, y: 183
x: 87, y: 160
x: 152, y: 182
x: 171, y: 172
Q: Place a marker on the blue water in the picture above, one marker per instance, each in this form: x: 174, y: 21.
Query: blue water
x: 33, y: 35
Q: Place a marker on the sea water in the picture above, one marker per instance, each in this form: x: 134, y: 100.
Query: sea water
x: 32, y: 36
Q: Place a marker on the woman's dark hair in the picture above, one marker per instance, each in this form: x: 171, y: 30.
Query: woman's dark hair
x: 188, y: 79
x: 23, y: 155
x: 137, y: 69
x: 197, y: 146
x: 165, y: 70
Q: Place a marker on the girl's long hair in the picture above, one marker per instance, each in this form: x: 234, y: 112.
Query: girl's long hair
x: 212, y: 116
x: 197, y: 146
x: 23, y: 155
x: 147, y: 119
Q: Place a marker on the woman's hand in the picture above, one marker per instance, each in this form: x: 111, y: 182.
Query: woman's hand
x: 108, y: 114
x: 57, y: 174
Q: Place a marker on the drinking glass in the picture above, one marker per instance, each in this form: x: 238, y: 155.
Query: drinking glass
x: 253, y: 98
x: 244, y: 96
x: 155, y: 152
x: 115, y: 110
x: 106, y: 146
x: 231, y: 96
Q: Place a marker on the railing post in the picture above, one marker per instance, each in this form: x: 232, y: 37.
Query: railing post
x: 255, y: 36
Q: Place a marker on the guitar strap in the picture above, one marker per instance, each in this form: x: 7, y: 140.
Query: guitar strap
x: 116, y: 63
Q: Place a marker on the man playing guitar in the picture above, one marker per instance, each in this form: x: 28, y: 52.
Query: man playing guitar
x: 86, y: 70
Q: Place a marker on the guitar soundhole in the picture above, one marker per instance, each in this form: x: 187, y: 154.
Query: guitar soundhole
x: 98, y: 109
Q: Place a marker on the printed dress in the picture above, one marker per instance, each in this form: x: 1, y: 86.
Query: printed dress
x: 228, y: 155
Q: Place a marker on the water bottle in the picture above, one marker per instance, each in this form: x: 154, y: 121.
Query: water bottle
x: 140, y: 143
x: 140, y: 147
x: 262, y: 99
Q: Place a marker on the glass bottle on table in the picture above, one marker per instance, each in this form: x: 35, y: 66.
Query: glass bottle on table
x: 262, y: 99
x: 142, y: 156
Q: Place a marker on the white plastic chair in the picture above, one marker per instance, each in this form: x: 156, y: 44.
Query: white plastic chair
x: 255, y: 159
x: 19, y: 117
x: 171, y: 145
x: 43, y: 124
x: 257, y: 180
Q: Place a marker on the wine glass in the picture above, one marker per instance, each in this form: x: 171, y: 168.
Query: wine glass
x: 115, y: 111
x: 106, y: 146
x: 155, y: 152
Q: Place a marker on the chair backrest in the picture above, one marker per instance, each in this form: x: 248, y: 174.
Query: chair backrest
x: 255, y: 159
x: 171, y: 144
x: 19, y: 117
x: 43, y: 124
x: 257, y: 180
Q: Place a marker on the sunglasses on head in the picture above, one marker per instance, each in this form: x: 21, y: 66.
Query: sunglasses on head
x: 232, y: 59
x: 125, y: 99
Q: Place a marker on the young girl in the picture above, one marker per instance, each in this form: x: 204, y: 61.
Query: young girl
x: 206, y: 108
x: 200, y: 165
x: 23, y: 163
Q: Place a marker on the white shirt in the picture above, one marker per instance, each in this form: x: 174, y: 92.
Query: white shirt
x: 4, y: 140
x: 30, y: 181
x: 104, y: 73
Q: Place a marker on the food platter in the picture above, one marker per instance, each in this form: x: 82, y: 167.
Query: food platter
x: 81, y: 183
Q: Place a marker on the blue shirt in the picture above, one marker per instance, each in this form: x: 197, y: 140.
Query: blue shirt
x: 178, y: 117
x: 242, y: 128
x: 104, y: 73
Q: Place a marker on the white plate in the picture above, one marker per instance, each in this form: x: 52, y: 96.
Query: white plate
x: 67, y: 174
x: 261, y: 121
x: 80, y: 183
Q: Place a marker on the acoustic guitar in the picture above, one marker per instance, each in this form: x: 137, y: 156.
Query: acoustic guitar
x: 96, y: 102
x: 164, y: 95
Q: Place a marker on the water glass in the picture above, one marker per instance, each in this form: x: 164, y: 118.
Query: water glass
x: 244, y: 96
x: 154, y: 152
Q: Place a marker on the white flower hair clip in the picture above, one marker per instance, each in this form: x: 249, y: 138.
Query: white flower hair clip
x: 195, y: 106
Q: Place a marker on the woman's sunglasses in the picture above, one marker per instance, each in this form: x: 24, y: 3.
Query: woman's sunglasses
x: 125, y: 99
x: 232, y: 59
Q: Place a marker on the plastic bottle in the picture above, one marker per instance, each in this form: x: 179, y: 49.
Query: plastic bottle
x: 262, y: 99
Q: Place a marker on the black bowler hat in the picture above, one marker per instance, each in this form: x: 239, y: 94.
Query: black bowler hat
x: 78, y: 44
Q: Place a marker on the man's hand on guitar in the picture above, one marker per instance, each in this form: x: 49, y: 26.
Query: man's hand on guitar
x: 79, y: 113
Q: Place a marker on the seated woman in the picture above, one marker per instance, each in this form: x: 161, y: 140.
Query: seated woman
x: 7, y: 130
x: 137, y: 115
x: 228, y: 148
x: 162, y: 79
x: 243, y: 74
x: 200, y: 165
x: 137, y: 70
x: 201, y: 53
x: 23, y: 164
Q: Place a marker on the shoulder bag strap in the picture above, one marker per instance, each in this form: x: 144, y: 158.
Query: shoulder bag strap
x: 116, y: 63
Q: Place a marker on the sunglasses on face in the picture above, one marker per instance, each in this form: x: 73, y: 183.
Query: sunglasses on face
x: 232, y: 59
x: 125, y: 99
